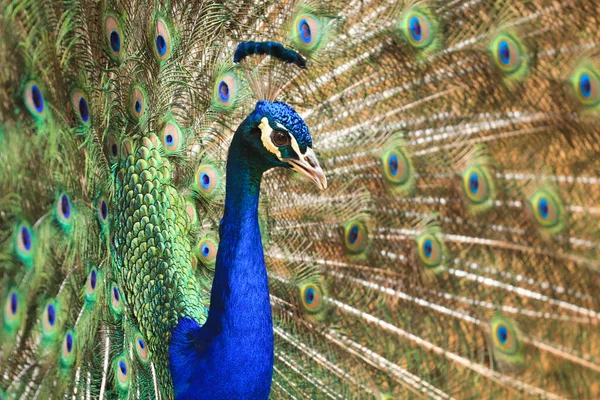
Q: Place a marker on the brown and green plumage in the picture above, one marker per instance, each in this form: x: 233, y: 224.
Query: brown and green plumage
x: 454, y: 254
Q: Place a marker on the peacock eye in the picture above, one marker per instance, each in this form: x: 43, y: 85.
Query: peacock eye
x: 419, y: 28
x: 13, y: 308
x: 356, y: 236
x: 24, y: 243
x: 227, y: 91
x: 171, y: 136
x: 308, y: 31
x: 141, y: 348
x: 64, y: 211
x: 80, y: 105
x: 508, y: 53
x: 162, y: 40
x: 430, y: 250
x: 34, y: 99
x: 547, y: 209
x: 396, y: 167
x: 476, y: 185
x: 49, y: 318
x: 113, y: 149
x: 312, y: 298
x: 585, y: 84
x: 92, y: 284
x: 113, y: 35
x: 116, y: 303
x: 67, y: 356
x: 122, y: 372
x: 208, y: 250
x: 280, y: 138
x: 138, y: 100
x: 506, y: 339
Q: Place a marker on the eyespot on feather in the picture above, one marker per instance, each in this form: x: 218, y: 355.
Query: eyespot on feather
x: 308, y: 31
x: 113, y: 149
x: 585, y: 82
x: 92, y: 284
x: 67, y: 355
x: 64, y: 211
x: 419, y: 28
x: 122, y: 372
x: 24, y: 243
x: 311, y: 296
x: 312, y: 299
x: 141, y: 348
x: 226, y: 90
x: 396, y: 167
x: 102, y: 210
x: 430, y: 250
x: 14, y: 307
x: 506, y: 340
x: 355, y: 237
x: 162, y: 43
x: 171, y: 136
x: 138, y: 100
x: 207, y: 180
x: 49, y: 320
x: 116, y: 300
x: 547, y: 210
x: 34, y: 100
x: 476, y: 185
x: 507, y: 53
x: 207, y: 252
x: 79, y: 101
x: 113, y: 35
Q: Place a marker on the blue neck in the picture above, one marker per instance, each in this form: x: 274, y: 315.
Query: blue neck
x: 240, y: 288
x: 231, y: 356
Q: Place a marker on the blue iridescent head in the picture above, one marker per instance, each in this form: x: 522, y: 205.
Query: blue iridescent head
x: 278, y: 137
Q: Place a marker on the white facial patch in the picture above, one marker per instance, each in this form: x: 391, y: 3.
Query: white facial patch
x: 265, y: 137
x: 296, y: 148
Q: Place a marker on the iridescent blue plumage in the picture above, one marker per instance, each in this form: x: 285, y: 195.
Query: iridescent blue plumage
x: 273, y: 49
x: 238, y: 334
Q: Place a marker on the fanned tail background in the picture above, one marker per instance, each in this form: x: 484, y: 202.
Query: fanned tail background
x: 453, y: 255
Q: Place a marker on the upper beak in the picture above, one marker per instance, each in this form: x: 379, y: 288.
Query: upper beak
x: 308, y: 165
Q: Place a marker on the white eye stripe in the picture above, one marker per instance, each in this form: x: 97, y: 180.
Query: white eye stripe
x: 265, y: 137
x: 281, y: 127
x: 296, y: 148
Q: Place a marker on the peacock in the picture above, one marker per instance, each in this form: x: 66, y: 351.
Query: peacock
x: 299, y: 199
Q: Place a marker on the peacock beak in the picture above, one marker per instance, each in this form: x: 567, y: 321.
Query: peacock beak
x: 308, y: 165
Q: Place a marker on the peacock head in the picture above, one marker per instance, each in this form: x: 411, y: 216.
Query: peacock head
x: 276, y: 136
